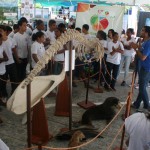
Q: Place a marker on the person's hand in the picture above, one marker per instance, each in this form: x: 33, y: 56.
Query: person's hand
x: 113, y: 49
x: 134, y: 45
x: 18, y: 61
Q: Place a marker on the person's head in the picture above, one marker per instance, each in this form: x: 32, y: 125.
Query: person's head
x: 110, y: 33
x: 15, y: 28
x: 3, y: 31
x: 85, y: 28
x: 130, y: 32
x: 1, y: 39
x: 58, y: 32
x: 62, y: 27
x: 8, y: 29
x: 52, y: 25
x: 101, y: 35
x: 22, y: 23
x: 115, y: 37
x: 39, y: 37
x: 78, y: 29
x: 40, y: 25
x: 145, y: 32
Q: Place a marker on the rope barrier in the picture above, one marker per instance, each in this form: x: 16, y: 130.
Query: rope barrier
x: 108, y: 71
x: 8, y: 81
x: 121, y: 128
x: 90, y: 141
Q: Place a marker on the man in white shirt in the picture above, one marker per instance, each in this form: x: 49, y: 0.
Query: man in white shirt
x: 15, y: 30
x: 22, y: 42
x: 9, y: 48
x: 40, y: 27
x: 51, y: 31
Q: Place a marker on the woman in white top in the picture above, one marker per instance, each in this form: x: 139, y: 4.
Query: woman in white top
x: 37, y: 49
x: 115, y: 49
x: 3, y: 59
x: 128, y: 54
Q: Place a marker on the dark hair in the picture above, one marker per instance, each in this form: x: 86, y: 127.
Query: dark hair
x: 78, y: 29
x: 3, y: 27
x: 51, y: 22
x: 37, y: 35
x: 131, y: 30
x: 147, y: 29
x: 61, y: 25
x: 8, y: 28
x: 59, y: 29
x: 102, y: 34
x: 15, y: 26
x: 21, y: 21
x: 39, y: 22
x: 86, y: 27
x: 112, y: 30
x: 1, y: 35
x: 115, y: 33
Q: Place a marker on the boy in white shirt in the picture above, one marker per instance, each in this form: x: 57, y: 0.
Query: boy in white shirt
x: 51, y: 31
x: 40, y: 27
x: 9, y: 48
x: 15, y: 30
x: 115, y: 49
x: 3, y: 59
x: 22, y: 42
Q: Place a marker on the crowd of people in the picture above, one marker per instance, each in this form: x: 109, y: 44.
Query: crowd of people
x: 24, y: 45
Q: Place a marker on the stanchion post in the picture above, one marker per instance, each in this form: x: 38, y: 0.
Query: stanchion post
x: 127, y: 112
x: 98, y: 89
x: 87, y: 104
x: 29, y: 130
x: 70, y: 85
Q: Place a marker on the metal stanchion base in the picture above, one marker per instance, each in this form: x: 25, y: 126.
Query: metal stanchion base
x: 98, y: 90
x: 85, y: 105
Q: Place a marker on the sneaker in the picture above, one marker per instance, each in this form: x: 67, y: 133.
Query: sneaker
x: 133, y: 106
x: 123, y: 83
x: 114, y: 89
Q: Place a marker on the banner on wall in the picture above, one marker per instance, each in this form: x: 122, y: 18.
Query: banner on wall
x: 27, y: 9
x: 100, y: 17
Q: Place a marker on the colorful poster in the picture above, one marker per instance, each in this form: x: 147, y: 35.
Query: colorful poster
x: 100, y: 17
x: 27, y: 9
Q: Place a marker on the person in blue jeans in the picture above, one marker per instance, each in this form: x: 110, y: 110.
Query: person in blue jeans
x: 144, y: 75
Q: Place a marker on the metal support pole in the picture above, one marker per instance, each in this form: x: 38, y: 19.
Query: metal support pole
x: 29, y: 130
x: 70, y: 85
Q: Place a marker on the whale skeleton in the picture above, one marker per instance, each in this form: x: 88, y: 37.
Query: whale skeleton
x: 41, y: 86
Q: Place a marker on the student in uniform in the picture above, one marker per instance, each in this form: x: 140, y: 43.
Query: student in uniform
x: 37, y: 49
x: 128, y: 54
x: 115, y: 49
x: 22, y: 42
x: 9, y: 48
x: 40, y: 27
x: 51, y: 31
x: 60, y: 56
x: 15, y: 30
x: 3, y: 59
